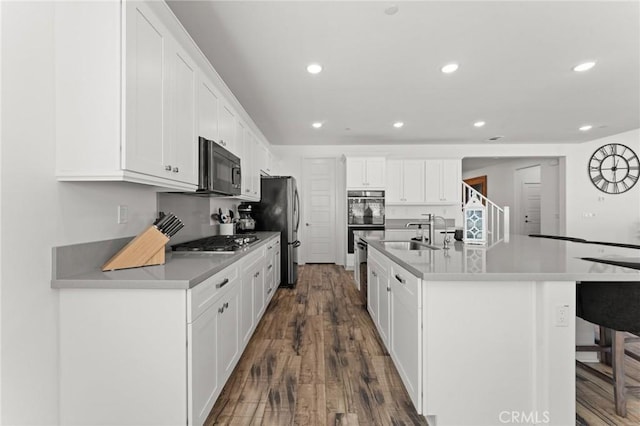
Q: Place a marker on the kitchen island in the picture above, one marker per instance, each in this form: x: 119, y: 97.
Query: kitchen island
x: 485, y: 335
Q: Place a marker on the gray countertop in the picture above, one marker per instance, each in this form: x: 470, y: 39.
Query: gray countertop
x: 182, y: 270
x: 522, y: 258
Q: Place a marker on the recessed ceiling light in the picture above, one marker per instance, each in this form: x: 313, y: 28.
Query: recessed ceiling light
x: 449, y: 68
x: 586, y: 66
x: 398, y: 124
x: 585, y: 128
x: 479, y: 123
x: 391, y: 10
x: 316, y: 125
x: 314, y: 68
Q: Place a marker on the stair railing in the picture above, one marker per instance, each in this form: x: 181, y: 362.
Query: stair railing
x: 497, y: 217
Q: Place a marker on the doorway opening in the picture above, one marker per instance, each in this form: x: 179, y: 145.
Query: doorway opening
x: 542, y: 198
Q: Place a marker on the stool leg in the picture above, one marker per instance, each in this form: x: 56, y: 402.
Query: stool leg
x: 605, y: 340
x: 619, y: 391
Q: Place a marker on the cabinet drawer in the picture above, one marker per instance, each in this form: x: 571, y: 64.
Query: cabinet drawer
x: 202, y: 296
x: 405, y: 282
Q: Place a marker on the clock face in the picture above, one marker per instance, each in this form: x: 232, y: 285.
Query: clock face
x: 614, y: 168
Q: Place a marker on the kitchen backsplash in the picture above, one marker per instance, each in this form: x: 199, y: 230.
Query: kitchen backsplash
x: 195, y: 213
x: 416, y: 212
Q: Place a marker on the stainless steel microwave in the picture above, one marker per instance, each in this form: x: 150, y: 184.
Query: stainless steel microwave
x: 218, y: 170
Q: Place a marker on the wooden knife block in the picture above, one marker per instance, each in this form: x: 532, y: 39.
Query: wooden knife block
x: 144, y: 250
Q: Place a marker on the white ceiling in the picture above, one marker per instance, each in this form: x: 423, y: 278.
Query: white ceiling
x: 516, y: 60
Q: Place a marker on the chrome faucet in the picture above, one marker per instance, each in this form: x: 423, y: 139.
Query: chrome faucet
x: 446, y: 241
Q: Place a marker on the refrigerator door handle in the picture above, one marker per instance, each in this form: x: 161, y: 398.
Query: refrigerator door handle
x: 295, y: 243
x: 296, y: 209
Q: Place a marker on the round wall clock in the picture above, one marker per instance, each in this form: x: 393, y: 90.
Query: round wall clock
x: 614, y: 168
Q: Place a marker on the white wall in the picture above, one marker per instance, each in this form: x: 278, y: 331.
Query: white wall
x: 617, y: 217
x: 39, y: 213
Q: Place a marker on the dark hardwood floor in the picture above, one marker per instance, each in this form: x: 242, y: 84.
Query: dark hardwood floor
x: 316, y: 359
x: 594, y: 396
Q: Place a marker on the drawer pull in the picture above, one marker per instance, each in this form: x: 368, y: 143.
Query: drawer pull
x: 399, y: 278
x: 223, y: 283
x: 270, y: 266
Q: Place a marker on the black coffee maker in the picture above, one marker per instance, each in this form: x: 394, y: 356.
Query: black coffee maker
x: 245, y: 223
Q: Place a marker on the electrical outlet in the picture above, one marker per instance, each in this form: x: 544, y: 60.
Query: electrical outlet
x: 123, y: 214
x: 562, y: 316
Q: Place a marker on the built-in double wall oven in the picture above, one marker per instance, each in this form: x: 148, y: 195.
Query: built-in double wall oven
x: 365, y: 213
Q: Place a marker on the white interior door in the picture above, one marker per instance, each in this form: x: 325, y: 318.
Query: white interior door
x: 531, y: 208
x: 319, y: 214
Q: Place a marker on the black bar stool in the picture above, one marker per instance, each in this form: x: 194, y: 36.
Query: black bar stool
x: 614, y: 306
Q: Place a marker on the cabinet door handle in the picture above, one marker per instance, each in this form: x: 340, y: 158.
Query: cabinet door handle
x: 247, y: 190
x: 175, y: 170
x: 269, y: 291
x: 221, y: 310
x: 168, y: 168
x: 399, y: 278
x: 226, y: 305
x: 223, y: 283
x: 374, y: 273
x: 388, y: 288
x: 270, y: 266
x: 256, y: 274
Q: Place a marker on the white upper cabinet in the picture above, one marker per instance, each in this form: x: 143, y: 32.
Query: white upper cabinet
x: 443, y: 181
x: 255, y: 169
x: 227, y: 127
x: 147, y: 94
x: 134, y: 93
x: 183, y: 137
x: 366, y: 173
x: 208, y: 108
x: 249, y: 162
x: 160, y: 100
x: 405, y: 182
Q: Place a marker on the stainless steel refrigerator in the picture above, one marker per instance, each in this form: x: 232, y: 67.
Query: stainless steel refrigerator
x: 279, y: 210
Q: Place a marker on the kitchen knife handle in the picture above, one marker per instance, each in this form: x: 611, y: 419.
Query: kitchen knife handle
x: 223, y: 283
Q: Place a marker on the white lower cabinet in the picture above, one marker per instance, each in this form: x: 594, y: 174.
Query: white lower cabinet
x: 378, y: 297
x: 395, y: 305
x: 272, y: 268
x: 203, y: 366
x: 406, y: 330
x: 158, y: 356
x: 228, y: 344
